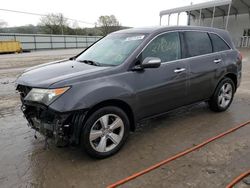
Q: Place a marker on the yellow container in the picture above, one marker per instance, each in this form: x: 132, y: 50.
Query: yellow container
x: 10, y: 46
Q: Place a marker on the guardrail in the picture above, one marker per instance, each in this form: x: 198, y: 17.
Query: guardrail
x: 245, y: 41
x: 44, y: 42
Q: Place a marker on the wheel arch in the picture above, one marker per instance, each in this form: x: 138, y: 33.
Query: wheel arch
x: 117, y: 103
x: 213, y: 101
x: 233, y: 77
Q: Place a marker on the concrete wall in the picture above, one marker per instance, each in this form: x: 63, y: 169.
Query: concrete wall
x: 236, y: 25
x: 42, y: 42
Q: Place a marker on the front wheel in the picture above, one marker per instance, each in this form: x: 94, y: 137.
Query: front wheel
x: 223, y: 96
x: 105, y: 132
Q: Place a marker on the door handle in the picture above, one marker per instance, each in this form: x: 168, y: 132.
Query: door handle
x: 179, y: 70
x: 217, y: 60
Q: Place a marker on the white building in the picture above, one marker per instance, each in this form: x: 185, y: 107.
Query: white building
x: 232, y: 15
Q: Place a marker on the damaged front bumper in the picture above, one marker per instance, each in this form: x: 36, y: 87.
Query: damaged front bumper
x: 48, y: 123
x: 64, y: 128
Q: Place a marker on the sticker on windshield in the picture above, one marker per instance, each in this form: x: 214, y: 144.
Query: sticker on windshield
x: 139, y: 37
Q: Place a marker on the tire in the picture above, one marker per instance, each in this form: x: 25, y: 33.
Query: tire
x: 223, y: 96
x: 105, y: 132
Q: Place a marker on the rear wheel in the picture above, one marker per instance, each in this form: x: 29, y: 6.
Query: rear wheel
x: 223, y: 96
x: 105, y: 132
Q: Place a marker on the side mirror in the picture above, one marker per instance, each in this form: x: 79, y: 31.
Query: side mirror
x: 151, y: 62
x: 148, y: 62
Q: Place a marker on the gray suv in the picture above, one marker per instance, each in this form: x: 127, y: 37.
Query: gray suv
x: 97, y: 97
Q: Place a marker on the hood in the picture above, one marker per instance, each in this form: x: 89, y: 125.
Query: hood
x: 47, y: 74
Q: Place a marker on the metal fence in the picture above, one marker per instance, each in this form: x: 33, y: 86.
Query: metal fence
x: 245, y: 41
x: 44, y: 42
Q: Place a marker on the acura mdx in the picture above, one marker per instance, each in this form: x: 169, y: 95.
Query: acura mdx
x: 97, y: 97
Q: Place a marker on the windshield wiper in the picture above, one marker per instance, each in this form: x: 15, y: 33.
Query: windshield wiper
x: 90, y: 62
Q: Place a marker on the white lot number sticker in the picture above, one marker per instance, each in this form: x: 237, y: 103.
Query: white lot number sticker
x: 139, y: 37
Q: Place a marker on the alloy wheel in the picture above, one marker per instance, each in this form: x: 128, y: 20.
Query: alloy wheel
x: 225, y: 95
x: 106, y: 133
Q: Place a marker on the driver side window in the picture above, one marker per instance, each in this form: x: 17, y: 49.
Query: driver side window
x: 166, y: 47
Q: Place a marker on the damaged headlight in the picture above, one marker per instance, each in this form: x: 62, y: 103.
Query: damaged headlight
x: 45, y: 96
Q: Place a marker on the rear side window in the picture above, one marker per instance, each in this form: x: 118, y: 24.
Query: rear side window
x: 166, y: 47
x: 218, y: 43
x: 197, y: 43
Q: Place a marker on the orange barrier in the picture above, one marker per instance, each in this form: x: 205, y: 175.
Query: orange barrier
x: 185, y: 152
x: 236, y: 180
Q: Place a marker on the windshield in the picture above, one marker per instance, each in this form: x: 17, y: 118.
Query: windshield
x: 112, y: 50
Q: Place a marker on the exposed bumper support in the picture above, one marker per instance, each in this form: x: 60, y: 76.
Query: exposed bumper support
x: 63, y: 128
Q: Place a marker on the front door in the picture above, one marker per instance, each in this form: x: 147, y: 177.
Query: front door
x: 164, y: 88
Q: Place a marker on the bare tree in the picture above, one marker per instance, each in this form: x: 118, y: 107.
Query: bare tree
x: 54, y: 23
x: 108, y: 24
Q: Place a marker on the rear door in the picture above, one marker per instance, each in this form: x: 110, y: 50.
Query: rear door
x: 220, y: 46
x: 205, y: 66
x: 228, y: 56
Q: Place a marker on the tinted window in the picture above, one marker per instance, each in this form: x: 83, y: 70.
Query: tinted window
x: 166, y: 47
x: 197, y: 43
x: 218, y: 43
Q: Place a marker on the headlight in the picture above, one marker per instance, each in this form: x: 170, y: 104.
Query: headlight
x: 45, y: 96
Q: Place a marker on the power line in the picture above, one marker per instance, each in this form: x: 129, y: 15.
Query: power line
x: 36, y: 14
